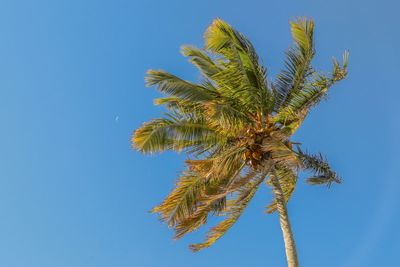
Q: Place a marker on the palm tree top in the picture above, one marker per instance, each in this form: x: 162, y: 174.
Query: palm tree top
x: 235, y: 125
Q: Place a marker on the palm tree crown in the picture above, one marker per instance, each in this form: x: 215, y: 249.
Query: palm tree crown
x: 235, y: 126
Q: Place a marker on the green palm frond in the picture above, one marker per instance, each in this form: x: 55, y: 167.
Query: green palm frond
x: 163, y: 134
x: 340, y: 72
x: 242, y: 77
x: 221, y: 37
x: 227, y: 117
x: 177, y: 105
x: 312, y: 93
x: 201, y: 60
x: 298, y: 60
x: 174, y: 86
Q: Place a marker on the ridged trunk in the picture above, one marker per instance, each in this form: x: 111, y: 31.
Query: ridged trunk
x: 290, y: 246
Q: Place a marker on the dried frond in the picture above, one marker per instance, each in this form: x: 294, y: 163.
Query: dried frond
x: 320, y: 166
x: 234, y: 211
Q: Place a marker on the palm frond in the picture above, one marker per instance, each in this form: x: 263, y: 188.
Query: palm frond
x: 163, y: 134
x: 311, y: 93
x: 242, y: 73
x: 201, y: 60
x: 214, y: 196
x: 227, y: 117
x: 235, y: 209
x: 193, y: 222
x: 177, y: 105
x: 227, y: 163
x: 320, y: 167
x: 174, y: 86
x: 298, y: 60
x: 182, y: 201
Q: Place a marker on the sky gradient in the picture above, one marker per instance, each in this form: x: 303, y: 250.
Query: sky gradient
x: 74, y: 193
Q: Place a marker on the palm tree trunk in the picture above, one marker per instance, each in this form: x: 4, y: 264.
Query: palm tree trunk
x: 290, y: 246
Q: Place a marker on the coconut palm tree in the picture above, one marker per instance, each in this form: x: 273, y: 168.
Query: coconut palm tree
x: 235, y: 126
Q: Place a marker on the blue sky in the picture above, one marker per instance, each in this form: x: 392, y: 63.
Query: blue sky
x: 73, y: 192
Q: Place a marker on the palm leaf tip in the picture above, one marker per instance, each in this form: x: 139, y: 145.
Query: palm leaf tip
x: 215, y: 233
x: 139, y: 139
x: 154, y: 77
x: 345, y: 57
x: 322, y: 179
x: 152, y: 136
x: 136, y: 139
x: 218, y: 35
x: 340, y: 70
x: 302, y: 32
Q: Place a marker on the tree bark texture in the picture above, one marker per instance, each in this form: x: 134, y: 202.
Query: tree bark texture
x: 290, y: 246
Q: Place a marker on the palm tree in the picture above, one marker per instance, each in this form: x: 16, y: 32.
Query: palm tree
x: 235, y: 126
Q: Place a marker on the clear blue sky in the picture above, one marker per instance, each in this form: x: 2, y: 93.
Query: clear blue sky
x: 74, y: 194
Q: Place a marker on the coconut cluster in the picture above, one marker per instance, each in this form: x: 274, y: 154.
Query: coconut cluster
x: 254, y: 153
x: 259, y: 145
